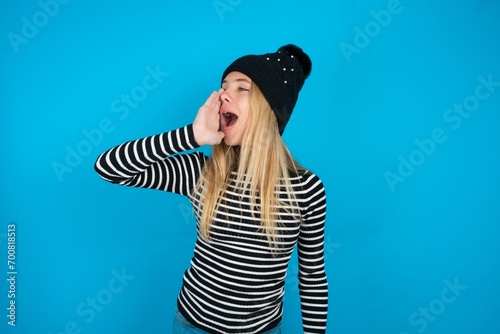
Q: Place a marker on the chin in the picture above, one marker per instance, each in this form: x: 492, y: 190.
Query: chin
x: 229, y: 143
x: 232, y: 141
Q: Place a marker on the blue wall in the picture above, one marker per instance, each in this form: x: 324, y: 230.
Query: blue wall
x: 399, y: 118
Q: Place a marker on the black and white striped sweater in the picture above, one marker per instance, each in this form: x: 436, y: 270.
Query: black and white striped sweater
x: 235, y: 283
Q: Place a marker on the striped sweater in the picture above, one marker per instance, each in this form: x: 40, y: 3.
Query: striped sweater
x: 235, y: 284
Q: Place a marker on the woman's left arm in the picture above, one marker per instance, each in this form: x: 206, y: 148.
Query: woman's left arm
x: 313, y: 283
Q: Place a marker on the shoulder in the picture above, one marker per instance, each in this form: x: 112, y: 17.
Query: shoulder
x: 305, y: 177
x: 310, y: 194
x: 307, y: 183
x: 199, y: 157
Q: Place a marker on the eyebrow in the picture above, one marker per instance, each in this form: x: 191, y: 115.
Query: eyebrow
x: 238, y: 80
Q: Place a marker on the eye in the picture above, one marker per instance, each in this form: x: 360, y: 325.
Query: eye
x: 241, y: 89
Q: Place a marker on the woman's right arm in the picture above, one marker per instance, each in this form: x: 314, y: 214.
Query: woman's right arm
x: 153, y: 162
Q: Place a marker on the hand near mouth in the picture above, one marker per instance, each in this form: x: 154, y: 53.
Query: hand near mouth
x: 206, y: 125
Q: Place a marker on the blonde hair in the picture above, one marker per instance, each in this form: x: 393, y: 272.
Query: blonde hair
x: 262, y: 165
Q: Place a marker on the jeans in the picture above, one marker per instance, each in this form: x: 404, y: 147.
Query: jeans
x: 182, y: 326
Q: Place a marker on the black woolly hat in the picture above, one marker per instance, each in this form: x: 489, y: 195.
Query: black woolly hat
x: 279, y: 76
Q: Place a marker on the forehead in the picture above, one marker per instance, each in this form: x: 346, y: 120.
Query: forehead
x: 236, y: 77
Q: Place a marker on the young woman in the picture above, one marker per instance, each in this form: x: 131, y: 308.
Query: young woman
x: 253, y: 202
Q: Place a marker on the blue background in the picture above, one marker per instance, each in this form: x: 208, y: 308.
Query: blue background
x: 393, y: 246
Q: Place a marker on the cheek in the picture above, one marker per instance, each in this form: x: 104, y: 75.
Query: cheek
x: 244, y: 111
x: 244, y: 119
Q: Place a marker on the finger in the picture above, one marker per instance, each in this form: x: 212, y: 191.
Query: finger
x: 214, y: 100
x: 210, y: 100
x: 217, y: 103
x: 219, y: 92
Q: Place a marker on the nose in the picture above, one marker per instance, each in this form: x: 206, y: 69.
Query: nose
x: 224, y: 97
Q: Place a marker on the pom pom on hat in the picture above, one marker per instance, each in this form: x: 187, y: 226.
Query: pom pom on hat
x: 304, y: 60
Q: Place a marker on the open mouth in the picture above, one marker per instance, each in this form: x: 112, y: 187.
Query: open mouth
x: 228, y: 119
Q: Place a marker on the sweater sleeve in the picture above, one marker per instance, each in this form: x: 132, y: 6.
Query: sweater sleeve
x: 153, y: 162
x: 313, y: 285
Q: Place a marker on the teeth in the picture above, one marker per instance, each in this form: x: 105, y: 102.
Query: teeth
x: 229, y: 117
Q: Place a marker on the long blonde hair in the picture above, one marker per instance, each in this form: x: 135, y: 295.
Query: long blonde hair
x: 262, y: 165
